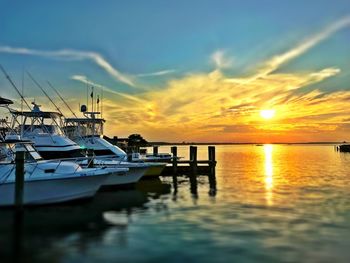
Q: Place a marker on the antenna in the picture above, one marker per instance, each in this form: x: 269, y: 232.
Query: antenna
x: 14, y: 86
x: 102, y: 103
x: 87, y: 93
x: 65, y: 103
x: 36, y: 83
x: 23, y: 94
x: 92, y: 97
x: 22, y: 90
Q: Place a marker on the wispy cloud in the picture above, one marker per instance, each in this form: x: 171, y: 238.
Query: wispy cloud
x: 304, y: 46
x: 85, y: 80
x: 185, y: 106
x: 221, y: 60
x: 213, y: 106
x: 71, y: 54
x: 158, y: 73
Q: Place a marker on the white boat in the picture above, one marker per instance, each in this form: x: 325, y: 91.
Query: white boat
x: 47, y: 182
x: 136, y: 168
x: 87, y: 132
x: 151, y: 157
x: 43, y: 128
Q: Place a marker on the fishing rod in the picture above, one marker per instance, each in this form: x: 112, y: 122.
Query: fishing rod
x: 59, y: 95
x: 42, y: 89
x: 14, y: 86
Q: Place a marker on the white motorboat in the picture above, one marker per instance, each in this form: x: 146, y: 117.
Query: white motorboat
x: 151, y: 157
x: 47, y: 182
x: 43, y: 128
x: 87, y: 132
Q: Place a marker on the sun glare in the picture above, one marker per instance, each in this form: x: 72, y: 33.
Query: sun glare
x: 267, y: 114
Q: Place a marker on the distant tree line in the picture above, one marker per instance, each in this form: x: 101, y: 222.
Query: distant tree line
x: 137, y: 140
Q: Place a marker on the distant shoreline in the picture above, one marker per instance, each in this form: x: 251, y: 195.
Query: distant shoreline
x: 241, y: 143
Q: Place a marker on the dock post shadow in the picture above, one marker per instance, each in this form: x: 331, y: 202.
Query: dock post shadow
x: 17, y: 234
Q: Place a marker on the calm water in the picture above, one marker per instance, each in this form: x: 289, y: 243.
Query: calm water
x: 274, y: 203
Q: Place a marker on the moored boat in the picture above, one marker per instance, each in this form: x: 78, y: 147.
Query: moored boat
x: 47, y: 182
x: 87, y: 132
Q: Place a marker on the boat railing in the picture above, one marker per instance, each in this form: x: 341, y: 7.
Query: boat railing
x: 88, y: 161
x: 60, y: 162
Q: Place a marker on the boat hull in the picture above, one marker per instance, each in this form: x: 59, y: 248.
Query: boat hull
x: 154, y: 170
x: 122, y: 179
x: 52, y: 191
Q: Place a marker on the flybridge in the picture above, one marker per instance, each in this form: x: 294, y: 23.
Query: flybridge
x: 87, y: 126
x: 37, y: 121
x: 37, y: 114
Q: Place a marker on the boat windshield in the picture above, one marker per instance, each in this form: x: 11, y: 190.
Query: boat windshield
x: 39, y: 129
x: 79, y: 130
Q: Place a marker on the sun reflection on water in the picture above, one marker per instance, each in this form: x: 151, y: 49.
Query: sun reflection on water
x: 268, y: 148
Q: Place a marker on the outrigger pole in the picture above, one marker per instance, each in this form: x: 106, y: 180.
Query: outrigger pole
x: 59, y: 95
x: 14, y: 86
x: 39, y: 86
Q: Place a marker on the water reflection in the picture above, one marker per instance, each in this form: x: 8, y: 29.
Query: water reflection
x: 268, y: 149
x: 276, y: 203
x: 33, y: 235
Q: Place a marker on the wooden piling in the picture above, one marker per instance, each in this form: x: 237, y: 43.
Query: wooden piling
x: 211, y: 157
x: 193, y: 159
x: 194, y: 170
x: 155, y: 150
x: 174, y: 160
x: 19, y: 183
x: 129, y: 157
x: 212, y: 176
x: 193, y: 166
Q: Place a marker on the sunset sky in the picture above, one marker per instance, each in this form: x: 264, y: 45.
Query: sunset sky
x: 194, y: 70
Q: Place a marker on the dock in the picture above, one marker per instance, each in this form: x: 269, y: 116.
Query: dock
x: 343, y: 148
x: 193, y: 166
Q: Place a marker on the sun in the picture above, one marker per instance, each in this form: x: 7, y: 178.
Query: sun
x: 267, y: 114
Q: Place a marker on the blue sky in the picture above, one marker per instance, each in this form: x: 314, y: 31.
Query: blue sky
x: 156, y: 43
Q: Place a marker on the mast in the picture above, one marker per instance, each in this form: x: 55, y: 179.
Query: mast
x: 87, y: 94
x: 14, y: 86
x: 102, y: 103
x: 92, y: 97
x: 42, y: 89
